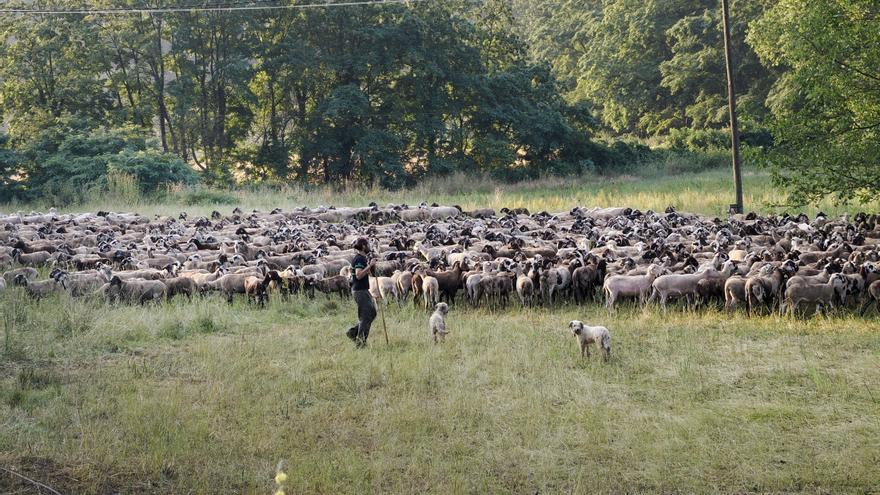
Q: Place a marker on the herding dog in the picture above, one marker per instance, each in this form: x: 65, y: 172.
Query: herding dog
x: 437, y: 322
x: 587, y: 335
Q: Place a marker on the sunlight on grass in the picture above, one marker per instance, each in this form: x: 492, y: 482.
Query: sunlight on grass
x: 706, y: 192
x: 186, y: 398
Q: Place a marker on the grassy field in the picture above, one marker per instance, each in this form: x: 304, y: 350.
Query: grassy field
x: 204, y: 397
x: 704, y: 191
x: 207, y: 398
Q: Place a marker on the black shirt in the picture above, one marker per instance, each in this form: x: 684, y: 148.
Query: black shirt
x: 360, y: 262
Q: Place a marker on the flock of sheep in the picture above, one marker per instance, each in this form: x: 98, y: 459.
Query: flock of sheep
x: 432, y: 253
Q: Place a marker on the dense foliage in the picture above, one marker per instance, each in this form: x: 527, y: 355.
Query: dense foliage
x: 827, y: 105
x: 388, y: 94
x: 383, y: 94
x: 648, y: 66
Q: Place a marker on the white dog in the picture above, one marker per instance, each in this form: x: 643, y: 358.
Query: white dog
x: 437, y: 322
x: 587, y: 335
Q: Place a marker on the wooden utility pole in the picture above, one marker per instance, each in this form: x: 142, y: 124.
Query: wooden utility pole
x: 731, y: 100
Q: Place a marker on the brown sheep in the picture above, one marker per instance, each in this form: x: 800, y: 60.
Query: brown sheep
x: 449, y: 281
x: 874, y: 292
x: 416, y: 283
x: 134, y: 291
x: 39, y: 289
x: 180, y: 286
x: 29, y: 273
x: 334, y: 285
x: 255, y: 288
x: 36, y: 258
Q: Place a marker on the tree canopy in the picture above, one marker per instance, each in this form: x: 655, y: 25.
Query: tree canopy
x: 383, y: 94
x: 390, y: 94
x: 826, y: 106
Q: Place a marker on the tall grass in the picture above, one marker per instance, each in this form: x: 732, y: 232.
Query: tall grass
x: 188, y: 398
x: 672, y: 179
x: 122, y: 188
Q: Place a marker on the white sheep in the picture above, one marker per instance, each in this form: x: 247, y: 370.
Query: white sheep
x: 430, y: 291
x: 639, y: 286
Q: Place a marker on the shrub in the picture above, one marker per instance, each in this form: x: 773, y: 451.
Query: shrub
x: 151, y: 169
x: 69, y: 161
x: 623, y: 154
x: 685, y: 139
x: 10, y: 162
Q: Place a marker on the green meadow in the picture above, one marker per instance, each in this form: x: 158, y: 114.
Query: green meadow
x: 204, y: 397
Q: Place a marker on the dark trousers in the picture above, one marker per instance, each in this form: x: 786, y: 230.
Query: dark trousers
x: 366, y: 314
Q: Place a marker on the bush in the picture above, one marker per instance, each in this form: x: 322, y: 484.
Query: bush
x: 151, y: 169
x: 69, y: 161
x: 9, y: 164
x: 621, y: 155
x: 685, y: 139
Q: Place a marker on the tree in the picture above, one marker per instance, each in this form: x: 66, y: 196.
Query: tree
x: 377, y: 93
x: 10, y: 162
x: 648, y: 66
x: 826, y: 107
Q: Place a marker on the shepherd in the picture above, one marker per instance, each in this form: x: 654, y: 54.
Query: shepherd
x: 362, y: 267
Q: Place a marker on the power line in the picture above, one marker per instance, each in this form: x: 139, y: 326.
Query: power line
x: 204, y: 8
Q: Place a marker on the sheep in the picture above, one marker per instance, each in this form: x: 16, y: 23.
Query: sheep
x: 857, y: 283
x: 679, y: 284
x: 417, y: 284
x: 587, y: 335
x: 449, y: 281
x: 505, y: 284
x: 36, y: 258
x: 874, y: 292
x: 734, y: 292
x: 525, y: 288
x: 39, y: 289
x: 403, y: 280
x: 30, y: 274
x: 316, y: 269
x: 820, y: 294
x: 710, y: 290
x: 472, y: 285
x: 387, y: 289
x: 548, y: 282
x: 256, y: 289
x: 86, y: 261
x: 488, y: 289
x: 338, y: 284
x: 145, y: 274
x: 437, y: 322
x: 585, y: 278
x: 767, y: 287
x: 229, y: 284
x: 180, y: 286
x: 524, y: 250
x: 430, y: 291
x: 639, y: 286
x: 136, y: 290
x: 334, y: 267
x: 80, y: 284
